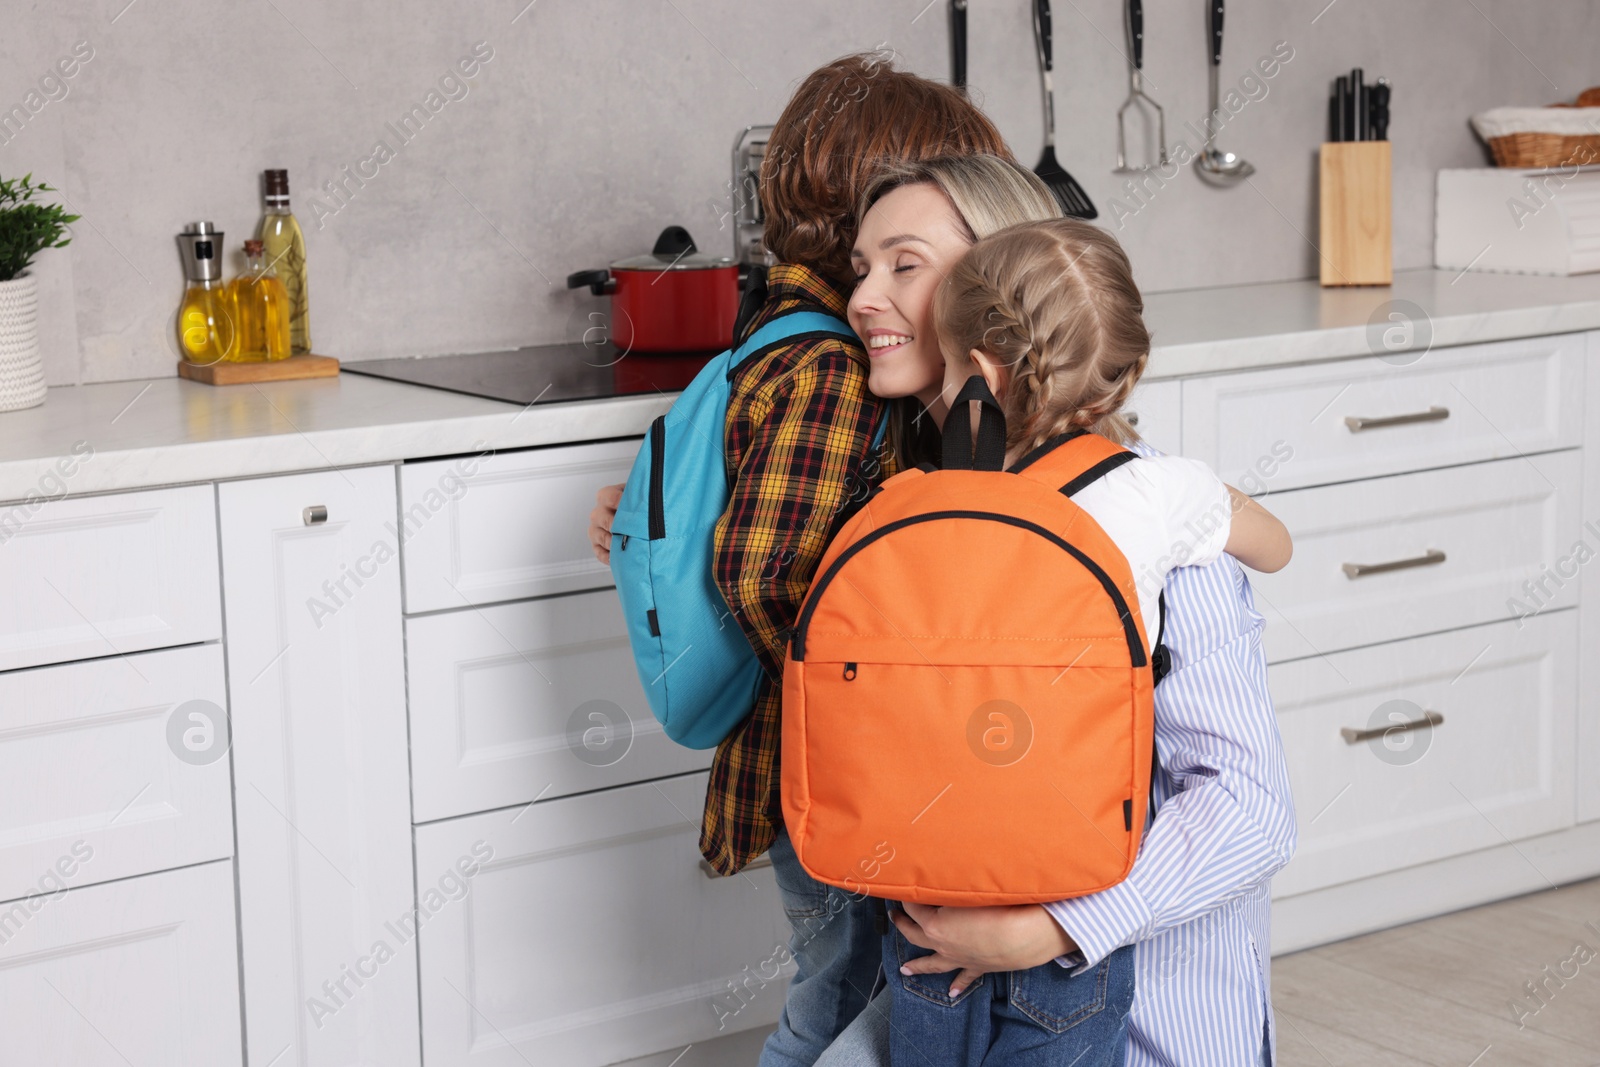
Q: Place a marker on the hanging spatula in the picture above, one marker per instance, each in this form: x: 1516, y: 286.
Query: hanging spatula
x: 1068, y: 193
x: 958, y: 44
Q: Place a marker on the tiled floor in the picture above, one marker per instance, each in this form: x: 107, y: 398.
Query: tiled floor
x: 1452, y: 991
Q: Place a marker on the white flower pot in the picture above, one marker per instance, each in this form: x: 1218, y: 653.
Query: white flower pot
x: 21, y: 373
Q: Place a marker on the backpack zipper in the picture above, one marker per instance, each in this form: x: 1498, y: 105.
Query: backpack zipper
x: 1136, y: 654
x: 658, y: 466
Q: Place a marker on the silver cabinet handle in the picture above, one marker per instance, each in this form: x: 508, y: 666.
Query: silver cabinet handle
x: 1361, y: 422
x: 1132, y: 417
x: 1360, y: 570
x: 754, y: 865
x: 315, y: 515
x: 1355, y: 737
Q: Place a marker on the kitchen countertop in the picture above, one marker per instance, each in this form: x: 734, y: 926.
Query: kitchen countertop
x: 170, y: 431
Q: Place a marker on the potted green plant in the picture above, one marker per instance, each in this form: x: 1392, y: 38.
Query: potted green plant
x: 26, y: 229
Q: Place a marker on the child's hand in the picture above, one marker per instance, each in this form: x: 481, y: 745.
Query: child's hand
x: 600, y: 519
x: 979, y: 941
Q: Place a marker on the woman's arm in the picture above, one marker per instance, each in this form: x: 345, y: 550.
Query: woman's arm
x: 1256, y: 538
x: 1226, y: 819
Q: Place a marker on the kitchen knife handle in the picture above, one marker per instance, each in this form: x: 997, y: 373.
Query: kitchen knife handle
x: 1380, y: 110
x: 1043, y: 34
x: 1136, y: 32
x: 1357, y: 101
x: 958, y: 43
x: 1216, y: 32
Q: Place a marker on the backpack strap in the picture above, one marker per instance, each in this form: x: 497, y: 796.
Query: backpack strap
x: 883, y: 428
x: 988, y: 451
x: 1071, y: 461
x: 1160, y: 664
x: 803, y: 324
x: 1081, y: 458
x: 1161, y: 659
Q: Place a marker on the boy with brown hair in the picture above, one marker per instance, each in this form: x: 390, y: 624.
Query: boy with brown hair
x: 798, y: 437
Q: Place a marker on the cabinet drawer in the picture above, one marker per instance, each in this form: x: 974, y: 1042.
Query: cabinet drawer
x: 1155, y: 409
x: 590, y: 934
x: 1498, y: 768
x: 1497, y: 525
x: 95, y: 576
x: 1290, y: 424
x: 142, y: 971
x: 87, y: 769
x: 479, y: 530
x: 535, y: 699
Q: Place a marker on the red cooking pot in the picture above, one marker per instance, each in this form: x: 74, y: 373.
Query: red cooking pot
x: 676, y: 299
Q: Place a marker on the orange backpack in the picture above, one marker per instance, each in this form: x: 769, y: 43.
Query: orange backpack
x: 968, y: 709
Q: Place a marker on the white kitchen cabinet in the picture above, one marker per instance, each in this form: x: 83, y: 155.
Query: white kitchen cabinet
x: 1589, y: 591
x: 104, y: 575
x: 315, y: 674
x: 535, y: 699
x: 1156, y: 411
x: 140, y: 971
x: 1464, y: 541
x: 590, y: 934
x: 481, y: 529
x: 88, y: 767
x: 1498, y: 768
x: 1334, y: 422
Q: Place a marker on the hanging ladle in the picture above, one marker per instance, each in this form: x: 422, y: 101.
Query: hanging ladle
x: 1218, y: 168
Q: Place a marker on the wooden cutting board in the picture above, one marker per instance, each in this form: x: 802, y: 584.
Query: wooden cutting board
x: 305, y: 366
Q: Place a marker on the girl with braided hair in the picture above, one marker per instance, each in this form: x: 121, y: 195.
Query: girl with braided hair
x: 1047, y: 313
x: 952, y: 284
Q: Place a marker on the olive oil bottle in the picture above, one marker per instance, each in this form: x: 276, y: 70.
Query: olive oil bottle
x: 206, y: 318
x: 285, y: 248
x: 262, y: 309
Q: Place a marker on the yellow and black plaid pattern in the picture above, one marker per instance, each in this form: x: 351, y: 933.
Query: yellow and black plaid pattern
x: 799, y: 433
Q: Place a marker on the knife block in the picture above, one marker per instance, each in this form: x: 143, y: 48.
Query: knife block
x: 1357, y: 242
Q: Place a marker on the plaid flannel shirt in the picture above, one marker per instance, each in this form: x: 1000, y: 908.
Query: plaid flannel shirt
x: 799, y: 432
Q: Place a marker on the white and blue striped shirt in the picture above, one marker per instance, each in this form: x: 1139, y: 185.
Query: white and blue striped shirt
x: 1196, y: 903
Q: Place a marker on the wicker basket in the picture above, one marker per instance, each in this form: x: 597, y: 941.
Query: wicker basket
x: 1532, y: 137
x: 1529, y: 150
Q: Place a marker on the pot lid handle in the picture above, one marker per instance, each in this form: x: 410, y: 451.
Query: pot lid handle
x: 674, y: 241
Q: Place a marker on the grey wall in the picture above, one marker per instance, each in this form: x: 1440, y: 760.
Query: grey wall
x: 596, y: 123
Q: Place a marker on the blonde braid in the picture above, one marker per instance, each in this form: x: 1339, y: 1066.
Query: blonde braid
x: 1054, y: 303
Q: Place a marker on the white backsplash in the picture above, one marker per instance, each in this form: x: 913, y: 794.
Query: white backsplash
x: 593, y: 125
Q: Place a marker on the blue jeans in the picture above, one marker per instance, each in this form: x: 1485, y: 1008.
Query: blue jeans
x: 835, y: 944
x: 1041, y: 1017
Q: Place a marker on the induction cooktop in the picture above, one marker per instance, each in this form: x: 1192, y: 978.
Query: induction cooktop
x: 542, y: 374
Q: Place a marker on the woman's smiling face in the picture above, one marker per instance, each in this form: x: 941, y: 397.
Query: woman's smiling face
x: 907, y: 242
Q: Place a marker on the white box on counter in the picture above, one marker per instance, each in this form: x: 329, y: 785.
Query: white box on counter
x: 1544, y: 221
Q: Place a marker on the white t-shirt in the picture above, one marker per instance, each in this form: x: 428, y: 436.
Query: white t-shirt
x: 1162, y: 512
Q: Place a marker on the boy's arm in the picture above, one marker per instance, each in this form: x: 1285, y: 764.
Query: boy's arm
x: 1256, y: 538
x: 796, y: 473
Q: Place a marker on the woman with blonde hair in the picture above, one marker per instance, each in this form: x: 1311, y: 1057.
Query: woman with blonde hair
x: 938, y: 207
x: 965, y: 269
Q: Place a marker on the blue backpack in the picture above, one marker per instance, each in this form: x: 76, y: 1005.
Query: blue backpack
x: 697, y: 667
